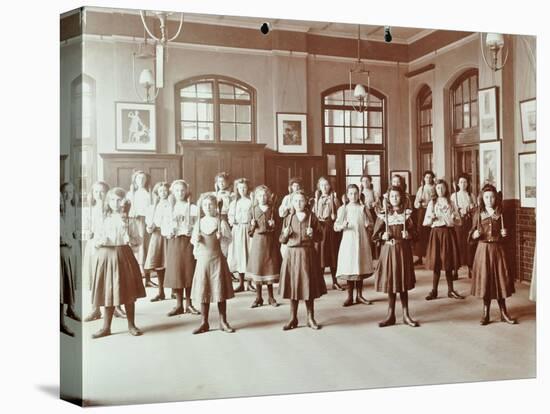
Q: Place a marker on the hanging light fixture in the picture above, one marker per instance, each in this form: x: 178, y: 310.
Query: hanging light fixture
x: 360, y: 93
x: 145, y: 53
x: 495, y: 43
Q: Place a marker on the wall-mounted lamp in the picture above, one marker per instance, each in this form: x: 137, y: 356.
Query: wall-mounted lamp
x: 495, y: 43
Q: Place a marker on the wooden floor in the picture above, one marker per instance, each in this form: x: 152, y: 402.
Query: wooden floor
x: 168, y: 363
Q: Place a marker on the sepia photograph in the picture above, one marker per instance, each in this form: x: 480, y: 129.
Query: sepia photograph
x: 259, y: 206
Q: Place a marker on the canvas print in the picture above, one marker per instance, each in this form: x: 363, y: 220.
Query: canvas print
x: 528, y: 109
x: 230, y: 231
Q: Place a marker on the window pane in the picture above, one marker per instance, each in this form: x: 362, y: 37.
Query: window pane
x: 206, y: 131
x: 334, y: 135
x: 458, y: 117
x: 357, y: 118
x: 348, y: 97
x: 371, y: 164
x: 204, y: 90
x: 189, y: 111
x: 331, y: 164
x: 337, y: 98
x: 189, y: 92
x: 244, y: 132
x: 376, y: 181
x: 334, y: 117
x: 374, y: 100
x: 353, y: 180
x: 458, y: 95
x: 473, y: 88
x: 374, y: 136
x: 473, y: 114
x: 347, y: 135
x: 227, y: 132
x: 205, y: 112
x: 243, y: 113
x: 226, y: 91
x: 425, y: 134
x: 354, y: 164
x: 466, y: 115
x: 424, y: 118
x: 375, y: 119
x: 227, y: 113
x: 466, y: 90
x: 241, y: 94
x: 357, y: 135
x: 189, y: 130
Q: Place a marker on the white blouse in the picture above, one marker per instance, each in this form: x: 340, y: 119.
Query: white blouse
x: 463, y: 202
x: 239, y: 211
x: 117, y: 231
x: 209, y: 225
x: 92, y: 220
x: 423, y: 196
x: 141, y: 202
x: 159, y: 214
x: 181, y: 220
x: 443, y: 213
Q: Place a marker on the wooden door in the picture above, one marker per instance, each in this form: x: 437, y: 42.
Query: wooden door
x: 466, y: 160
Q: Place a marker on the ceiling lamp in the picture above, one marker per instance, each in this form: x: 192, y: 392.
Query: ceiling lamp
x: 360, y: 99
x: 145, y: 53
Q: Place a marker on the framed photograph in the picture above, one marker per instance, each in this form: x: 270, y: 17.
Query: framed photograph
x: 528, y: 179
x: 528, y: 112
x: 406, y: 176
x: 135, y: 126
x: 292, y: 133
x: 490, y: 164
x: 488, y: 114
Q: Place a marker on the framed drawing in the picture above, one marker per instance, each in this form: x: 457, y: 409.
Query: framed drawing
x: 490, y: 164
x: 528, y: 116
x: 528, y: 179
x: 488, y: 114
x: 292, y: 133
x: 406, y: 175
x: 135, y: 126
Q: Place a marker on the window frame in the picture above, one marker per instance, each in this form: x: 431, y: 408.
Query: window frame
x: 423, y: 147
x: 216, y: 101
x: 470, y: 134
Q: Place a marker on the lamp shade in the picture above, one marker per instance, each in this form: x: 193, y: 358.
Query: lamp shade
x: 495, y: 40
x: 359, y: 91
x: 146, y: 78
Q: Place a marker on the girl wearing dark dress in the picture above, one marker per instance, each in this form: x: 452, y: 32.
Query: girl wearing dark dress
x: 425, y: 193
x: 442, y: 252
x: 180, y: 262
x: 117, y: 275
x: 301, y: 277
x: 491, y: 277
x: 263, y: 264
x: 395, y: 230
x: 325, y: 206
x: 463, y: 202
x: 212, y: 279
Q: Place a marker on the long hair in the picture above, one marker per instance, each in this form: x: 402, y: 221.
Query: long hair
x: 469, y: 184
x: 185, y: 185
x: 265, y: 188
x: 432, y: 174
x: 223, y: 175
x: 498, y: 198
x: 345, y: 198
x: 447, y: 193
x: 294, y: 180
x: 156, y: 197
x: 402, y: 198
x: 91, y: 201
x: 236, y: 187
x: 367, y: 176
x: 121, y: 193
x: 146, y: 185
x: 62, y: 189
x: 207, y: 196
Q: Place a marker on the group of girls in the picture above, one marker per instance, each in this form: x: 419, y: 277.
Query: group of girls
x: 197, y: 249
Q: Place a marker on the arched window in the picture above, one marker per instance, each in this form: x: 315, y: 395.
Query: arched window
x: 424, y: 122
x: 464, y: 106
x: 215, y: 109
x: 83, y: 133
x: 353, y: 142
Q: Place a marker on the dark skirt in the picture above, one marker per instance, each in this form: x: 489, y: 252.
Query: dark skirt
x: 212, y: 281
x: 263, y: 264
x: 67, y: 274
x: 467, y: 250
x: 395, y: 269
x: 491, y: 277
x: 117, y: 277
x: 301, y: 276
x: 421, y: 242
x: 327, y: 248
x: 442, y: 252
x: 156, y: 253
x: 180, y: 263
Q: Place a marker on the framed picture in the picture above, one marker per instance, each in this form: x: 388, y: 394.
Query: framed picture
x: 292, y: 133
x: 528, y: 179
x: 490, y: 164
x: 488, y: 114
x: 528, y: 112
x: 135, y: 126
x: 406, y: 176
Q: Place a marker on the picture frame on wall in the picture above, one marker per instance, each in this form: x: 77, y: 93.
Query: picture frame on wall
x: 406, y: 175
x: 490, y: 160
x: 528, y: 179
x: 488, y: 114
x: 528, y: 117
x: 291, y: 132
x: 135, y: 126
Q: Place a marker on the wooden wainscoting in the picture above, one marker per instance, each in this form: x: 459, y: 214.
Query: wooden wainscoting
x: 279, y: 168
x: 202, y: 161
x: 118, y: 168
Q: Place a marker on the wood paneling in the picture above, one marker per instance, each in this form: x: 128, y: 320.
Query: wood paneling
x: 201, y: 162
x: 118, y: 168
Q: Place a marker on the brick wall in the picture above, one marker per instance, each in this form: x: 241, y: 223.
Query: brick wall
x: 525, y: 242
